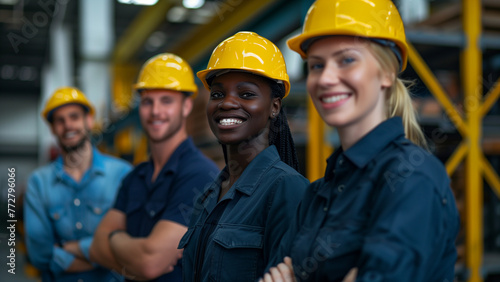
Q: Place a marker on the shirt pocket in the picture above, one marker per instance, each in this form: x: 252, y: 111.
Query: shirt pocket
x: 93, y: 215
x: 63, y: 223
x: 237, y: 253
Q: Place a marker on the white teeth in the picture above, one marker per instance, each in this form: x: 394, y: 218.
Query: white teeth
x: 333, y: 99
x: 230, y: 121
x: 69, y: 134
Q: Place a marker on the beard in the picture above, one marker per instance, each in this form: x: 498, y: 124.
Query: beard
x: 78, y: 146
x: 175, y: 128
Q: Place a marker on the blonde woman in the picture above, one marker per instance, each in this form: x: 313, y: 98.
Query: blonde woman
x: 384, y: 206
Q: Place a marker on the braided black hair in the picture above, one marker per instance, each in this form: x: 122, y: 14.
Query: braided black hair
x: 279, y: 131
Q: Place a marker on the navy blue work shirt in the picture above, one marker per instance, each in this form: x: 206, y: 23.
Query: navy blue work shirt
x: 384, y: 206
x: 171, y: 197
x: 234, y: 238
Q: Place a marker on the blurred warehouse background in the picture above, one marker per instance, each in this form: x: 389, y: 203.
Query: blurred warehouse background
x: 99, y: 46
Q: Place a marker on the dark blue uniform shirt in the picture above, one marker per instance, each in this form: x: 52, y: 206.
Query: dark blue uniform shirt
x: 384, y: 206
x: 171, y: 197
x: 233, y: 239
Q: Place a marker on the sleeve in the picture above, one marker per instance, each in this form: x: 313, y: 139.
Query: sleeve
x: 121, y: 197
x: 406, y: 232
x: 40, y: 235
x: 181, y: 199
x: 84, y: 244
x: 288, y: 193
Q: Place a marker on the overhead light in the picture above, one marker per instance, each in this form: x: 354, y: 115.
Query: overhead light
x: 8, y: 2
x: 177, y: 14
x: 139, y: 2
x: 193, y: 4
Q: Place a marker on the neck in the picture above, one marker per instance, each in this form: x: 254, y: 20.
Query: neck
x: 239, y: 156
x: 350, y: 135
x: 76, y: 163
x: 162, y: 151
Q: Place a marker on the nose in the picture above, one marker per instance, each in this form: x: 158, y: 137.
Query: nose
x: 329, y: 76
x: 155, y: 108
x: 229, y: 102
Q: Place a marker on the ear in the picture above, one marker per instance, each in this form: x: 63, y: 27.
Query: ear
x: 387, y: 79
x: 89, y: 119
x: 187, y: 106
x: 275, y: 108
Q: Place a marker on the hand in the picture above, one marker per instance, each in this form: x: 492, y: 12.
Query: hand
x: 281, y: 273
x: 351, y: 276
x: 73, y: 248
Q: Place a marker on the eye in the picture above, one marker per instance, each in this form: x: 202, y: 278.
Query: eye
x: 315, y: 66
x: 145, y: 102
x: 346, y: 60
x: 247, y: 95
x: 215, y: 95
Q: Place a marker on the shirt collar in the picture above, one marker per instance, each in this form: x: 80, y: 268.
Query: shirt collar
x: 366, y: 149
x: 252, y: 175
x: 173, y: 163
x: 372, y: 143
x: 97, y: 165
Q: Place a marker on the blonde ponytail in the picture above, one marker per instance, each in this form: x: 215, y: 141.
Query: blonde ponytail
x: 398, y: 97
x: 399, y: 104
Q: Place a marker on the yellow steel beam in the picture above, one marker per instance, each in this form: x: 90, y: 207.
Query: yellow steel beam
x: 123, y: 77
x: 432, y: 83
x: 315, y: 148
x: 491, y: 98
x: 229, y: 17
x: 456, y: 158
x: 471, y: 70
x: 491, y: 176
x: 139, y: 30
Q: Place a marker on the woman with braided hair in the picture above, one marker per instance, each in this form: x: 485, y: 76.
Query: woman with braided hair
x: 239, y: 220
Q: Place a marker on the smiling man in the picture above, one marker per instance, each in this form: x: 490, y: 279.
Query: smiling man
x: 140, y: 235
x: 67, y: 199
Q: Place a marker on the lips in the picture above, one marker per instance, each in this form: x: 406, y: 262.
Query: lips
x: 330, y: 101
x: 229, y: 121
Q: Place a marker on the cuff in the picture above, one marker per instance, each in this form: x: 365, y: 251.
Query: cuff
x: 84, y: 245
x: 61, y: 260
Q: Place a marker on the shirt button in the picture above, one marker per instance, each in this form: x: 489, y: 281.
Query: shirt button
x: 78, y: 225
x: 341, y: 188
x: 97, y: 211
x: 76, y: 202
x: 445, y: 201
x: 325, y: 208
x: 341, y: 161
x: 152, y: 213
x: 80, y: 280
x: 304, y: 274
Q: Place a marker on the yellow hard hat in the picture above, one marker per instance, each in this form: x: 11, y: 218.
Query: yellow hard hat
x: 378, y: 20
x: 167, y: 71
x: 63, y: 96
x: 250, y: 52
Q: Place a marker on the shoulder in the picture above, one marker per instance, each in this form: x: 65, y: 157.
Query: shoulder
x: 406, y: 165
x: 114, y: 162
x: 281, y: 175
x: 44, y: 173
x: 193, y: 163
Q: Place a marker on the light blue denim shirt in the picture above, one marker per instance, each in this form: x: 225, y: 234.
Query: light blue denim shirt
x: 57, y: 209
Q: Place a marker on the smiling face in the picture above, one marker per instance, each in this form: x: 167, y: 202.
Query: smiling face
x: 346, y: 83
x: 240, y: 107
x: 163, y: 113
x: 71, y: 126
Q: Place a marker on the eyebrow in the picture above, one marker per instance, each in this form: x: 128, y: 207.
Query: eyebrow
x: 334, y: 54
x: 239, y: 85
